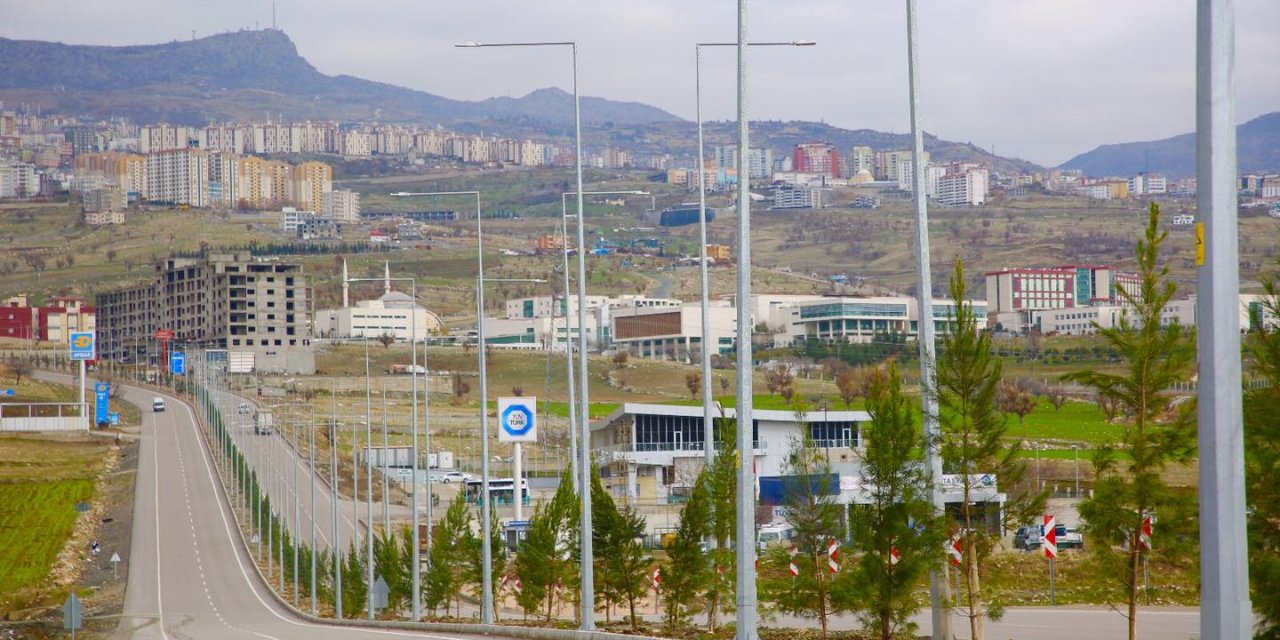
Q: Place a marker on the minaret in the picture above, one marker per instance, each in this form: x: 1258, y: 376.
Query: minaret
x: 346, y: 288
x: 386, y: 277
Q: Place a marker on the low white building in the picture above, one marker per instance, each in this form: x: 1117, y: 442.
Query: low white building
x: 857, y: 320
x: 797, y: 198
x: 393, y: 313
x: 654, y: 453
x: 292, y: 218
x: 673, y: 331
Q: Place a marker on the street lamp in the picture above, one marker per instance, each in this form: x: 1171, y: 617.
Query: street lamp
x: 707, y: 417
x: 417, y: 564
x: 588, y: 578
x: 938, y: 585
x: 568, y: 344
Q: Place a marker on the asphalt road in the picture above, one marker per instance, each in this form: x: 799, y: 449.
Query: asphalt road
x: 189, y: 575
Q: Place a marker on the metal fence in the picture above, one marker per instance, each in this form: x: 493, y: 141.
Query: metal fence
x: 43, y: 416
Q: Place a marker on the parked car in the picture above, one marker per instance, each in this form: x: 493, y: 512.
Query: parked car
x: 449, y: 477
x: 1069, y: 537
x: 1027, y: 537
x: 157, y: 405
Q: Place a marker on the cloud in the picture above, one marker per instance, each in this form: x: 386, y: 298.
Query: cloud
x: 1041, y: 79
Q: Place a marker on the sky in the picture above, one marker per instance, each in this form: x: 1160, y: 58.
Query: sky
x: 1042, y: 80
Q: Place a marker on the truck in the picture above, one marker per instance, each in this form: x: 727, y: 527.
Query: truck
x: 440, y: 460
x: 263, y: 423
x: 389, y: 456
x: 406, y: 369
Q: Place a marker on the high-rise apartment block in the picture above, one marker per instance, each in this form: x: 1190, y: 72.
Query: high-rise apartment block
x: 179, y: 177
x: 228, y: 301
x: 816, y: 157
x: 341, y: 206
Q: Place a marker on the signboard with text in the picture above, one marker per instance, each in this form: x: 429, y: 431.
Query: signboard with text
x: 83, y: 346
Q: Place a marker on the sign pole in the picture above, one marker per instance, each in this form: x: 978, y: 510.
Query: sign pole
x: 518, y: 492
x: 1052, y: 586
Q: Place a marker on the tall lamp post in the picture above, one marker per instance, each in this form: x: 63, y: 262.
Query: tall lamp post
x: 938, y: 585
x: 417, y: 546
x: 588, y: 577
x: 568, y: 344
x: 708, y: 431
x: 1224, y: 577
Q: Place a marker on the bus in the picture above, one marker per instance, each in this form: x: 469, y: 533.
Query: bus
x: 501, y: 490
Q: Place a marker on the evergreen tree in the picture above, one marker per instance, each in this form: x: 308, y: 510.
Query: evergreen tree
x: 444, y: 579
x: 390, y: 566
x: 897, y: 535
x: 685, y: 576
x: 545, y: 563
x: 620, y: 558
x: 815, y: 520
x: 722, y: 487
x: 473, y: 552
x: 1262, y: 459
x: 973, y: 443
x: 1131, y: 487
x: 304, y: 565
x: 354, y: 588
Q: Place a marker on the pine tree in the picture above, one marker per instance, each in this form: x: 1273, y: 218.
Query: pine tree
x: 545, y: 563
x: 897, y: 535
x: 1130, y: 488
x: 444, y: 573
x: 354, y: 588
x: 622, y: 562
x: 1262, y: 459
x: 390, y: 566
x: 473, y: 551
x: 973, y: 442
x: 685, y: 576
x: 722, y: 487
x: 815, y: 520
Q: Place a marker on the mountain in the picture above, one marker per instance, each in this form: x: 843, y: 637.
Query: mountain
x: 245, y: 74
x: 251, y: 75
x: 1257, y: 151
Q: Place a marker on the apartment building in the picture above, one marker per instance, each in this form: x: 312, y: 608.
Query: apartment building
x: 227, y: 301
x: 179, y: 176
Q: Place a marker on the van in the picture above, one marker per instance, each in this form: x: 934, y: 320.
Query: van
x: 772, y: 534
x: 157, y: 405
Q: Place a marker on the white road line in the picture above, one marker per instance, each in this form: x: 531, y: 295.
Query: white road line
x: 155, y: 469
x: 253, y: 587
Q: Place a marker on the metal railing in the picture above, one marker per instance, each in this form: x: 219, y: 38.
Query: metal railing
x: 43, y: 416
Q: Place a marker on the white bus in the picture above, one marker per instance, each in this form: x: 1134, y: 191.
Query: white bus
x: 501, y: 490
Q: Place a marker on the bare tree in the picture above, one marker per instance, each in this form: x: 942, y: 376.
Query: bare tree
x: 779, y: 378
x: 460, y: 388
x: 620, y: 358
x: 18, y: 367
x: 1056, y: 395
x: 853, y: 384
x: 724, y: 385
x: 386, y: 339
x: 693, y: 382
x: 1013, y: 398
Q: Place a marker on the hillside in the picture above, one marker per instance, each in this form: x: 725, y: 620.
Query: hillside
x: 1257, y: 150
x: 247, y: 75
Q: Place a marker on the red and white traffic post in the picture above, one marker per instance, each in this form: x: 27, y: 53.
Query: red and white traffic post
x: 1049, y: 542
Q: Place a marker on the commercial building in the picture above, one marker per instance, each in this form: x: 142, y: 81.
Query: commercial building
x: 672, y: 331
x: 1253, y: 314
x: 855, y: 320
x: 259, y: 308
x: 652, y: 453
x: 1060, y: 287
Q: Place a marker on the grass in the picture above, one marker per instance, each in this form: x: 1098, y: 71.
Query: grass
x: 41, y: 480
x: 1076, y: 421
x: 38, y: 517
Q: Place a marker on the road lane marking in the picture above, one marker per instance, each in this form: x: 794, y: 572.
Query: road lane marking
x: 253, y: 587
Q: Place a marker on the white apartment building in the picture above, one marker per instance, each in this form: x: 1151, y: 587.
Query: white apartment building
x: 759, y: 161
x: 18, y: 180
x: 291, y: 219
x: 342, y: 205
x: 1147, y: 184
x: 179, y: 176
x: 797, y: 198
x: 965, y: 189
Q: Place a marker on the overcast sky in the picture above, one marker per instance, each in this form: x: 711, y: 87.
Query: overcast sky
x: 1039, y: 79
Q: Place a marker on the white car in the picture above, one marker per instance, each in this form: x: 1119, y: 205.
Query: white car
x: 449, y: 477
x: 243, y: 409
x: 157, y: 405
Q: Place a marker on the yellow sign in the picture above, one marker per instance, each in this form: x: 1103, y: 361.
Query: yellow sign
x: 1199, y: 244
